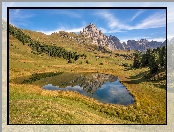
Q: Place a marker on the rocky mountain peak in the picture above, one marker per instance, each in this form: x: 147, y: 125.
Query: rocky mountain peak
x: 91, y: 28
x: 112, y: 42
x: 100, y: 39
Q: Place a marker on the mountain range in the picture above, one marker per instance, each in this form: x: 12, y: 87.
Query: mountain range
x: 91, y: 34
x: 113, y: 43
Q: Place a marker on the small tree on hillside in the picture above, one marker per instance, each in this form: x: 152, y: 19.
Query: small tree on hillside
x: 162, y: 56
x: 137, y: 59
x: 154, y: 63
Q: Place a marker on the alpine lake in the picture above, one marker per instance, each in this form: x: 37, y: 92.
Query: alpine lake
x: 103, y: 87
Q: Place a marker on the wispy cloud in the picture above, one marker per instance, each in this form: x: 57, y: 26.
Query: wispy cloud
x: 154, y: 21
x: 104, y: 30
x: 137, y: 14
x: 16, y: 17
x: 69, y: 13
x: 113, y: 22
x: 158, y: 39
x: 17, y: 14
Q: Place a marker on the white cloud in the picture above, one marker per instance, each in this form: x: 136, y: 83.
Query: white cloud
x: 104, y: 30
x: 154, y: 21
x: 16, y: 17
x: 69, y: 13
x: 137, y: 14
x: 17, y: 14
x: 62, y: 29
x: 113, y: 22
x: 160, y: 39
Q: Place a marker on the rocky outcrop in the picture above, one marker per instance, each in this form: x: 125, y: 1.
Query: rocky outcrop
x: 100, y: 39
x: 142, y: 44
x: 95, y: 35
x: 113, y: 43
x: 91, y: 34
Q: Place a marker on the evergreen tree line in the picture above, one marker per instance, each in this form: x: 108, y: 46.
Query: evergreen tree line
x: 35, y: 77
x: 154, y: 59
x: 50, y: 50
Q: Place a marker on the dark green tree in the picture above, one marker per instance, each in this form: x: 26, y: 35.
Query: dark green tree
x: 162, y: 56
x: 137, y: 59
x: 154, y: 63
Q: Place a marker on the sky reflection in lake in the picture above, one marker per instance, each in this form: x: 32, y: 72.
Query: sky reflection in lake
x: 105, y: 88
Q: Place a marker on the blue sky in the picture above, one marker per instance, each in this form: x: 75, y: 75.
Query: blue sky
x: 126, y: 24
x: 169, y: 5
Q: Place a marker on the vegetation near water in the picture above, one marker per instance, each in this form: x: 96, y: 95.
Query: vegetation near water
x: 35, y: 77
x: 34, y: 55
x: 154, y: 59
x: 38, y: 48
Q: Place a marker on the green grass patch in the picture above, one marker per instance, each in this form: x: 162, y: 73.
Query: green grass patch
x: 30, y: 104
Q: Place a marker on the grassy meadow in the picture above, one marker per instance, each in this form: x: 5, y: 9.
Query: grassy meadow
x: 30, y: 104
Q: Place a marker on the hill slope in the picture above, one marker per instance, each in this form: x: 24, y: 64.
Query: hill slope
x: 30, y: 104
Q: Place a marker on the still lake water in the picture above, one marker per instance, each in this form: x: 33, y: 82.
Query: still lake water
x: 102, y: 87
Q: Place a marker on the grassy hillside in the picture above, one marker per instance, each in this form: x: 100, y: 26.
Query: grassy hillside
x: 30, y: 104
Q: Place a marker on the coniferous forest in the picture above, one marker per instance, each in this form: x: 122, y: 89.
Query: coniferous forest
x: 37, y: 60
x: 155, y: 59
x: 39, y: 48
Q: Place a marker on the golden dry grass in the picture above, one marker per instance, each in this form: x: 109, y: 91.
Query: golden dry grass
x: 30, y: 104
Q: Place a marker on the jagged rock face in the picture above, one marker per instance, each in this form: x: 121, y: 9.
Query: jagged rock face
x: 97, y: 37
x: 101, y: 39
x: 116, y: 42
x: 142, y: 44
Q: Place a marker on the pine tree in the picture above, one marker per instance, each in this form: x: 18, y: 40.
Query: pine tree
x: 154, y: 63
x: 137, y: 59
x: 162, y: 56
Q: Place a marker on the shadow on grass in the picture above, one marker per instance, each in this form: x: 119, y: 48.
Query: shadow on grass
x: 34, y: 77
x: 162, y: 86
x: 18, y: 80
x: 139, y: 78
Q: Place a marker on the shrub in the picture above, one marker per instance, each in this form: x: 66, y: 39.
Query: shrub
x: 87, y: 61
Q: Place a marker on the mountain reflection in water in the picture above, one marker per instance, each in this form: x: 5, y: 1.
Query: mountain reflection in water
x: 103, y: 87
